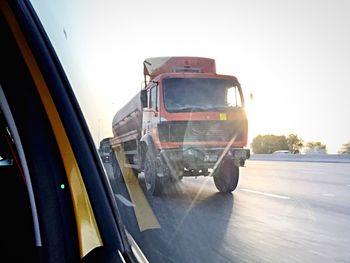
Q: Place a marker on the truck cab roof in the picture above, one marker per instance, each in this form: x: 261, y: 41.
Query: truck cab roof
x: 159, y: 65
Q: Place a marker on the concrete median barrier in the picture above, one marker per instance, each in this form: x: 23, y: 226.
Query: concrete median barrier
x: 332, y: 158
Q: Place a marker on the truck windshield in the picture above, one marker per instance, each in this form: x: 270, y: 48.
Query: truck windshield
x: 200, y: 94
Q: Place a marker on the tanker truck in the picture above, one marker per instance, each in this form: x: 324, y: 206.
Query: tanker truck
x: 187, y: 120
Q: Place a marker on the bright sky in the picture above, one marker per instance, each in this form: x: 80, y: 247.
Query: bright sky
x: 293, y: 56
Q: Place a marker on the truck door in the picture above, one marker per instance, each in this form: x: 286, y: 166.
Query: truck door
x: 151, y: 114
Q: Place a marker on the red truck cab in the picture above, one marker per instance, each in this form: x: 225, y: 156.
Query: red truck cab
x: 192, y: 122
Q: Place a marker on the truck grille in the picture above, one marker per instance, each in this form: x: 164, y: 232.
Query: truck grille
x: 179, y: 131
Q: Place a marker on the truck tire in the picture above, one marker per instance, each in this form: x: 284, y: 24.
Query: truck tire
x: 226, y: 179
x: 152, y: 181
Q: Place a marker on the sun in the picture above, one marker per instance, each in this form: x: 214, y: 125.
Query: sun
x: 266, y: 117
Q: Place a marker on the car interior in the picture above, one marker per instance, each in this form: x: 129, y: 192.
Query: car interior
x: 18, y: 230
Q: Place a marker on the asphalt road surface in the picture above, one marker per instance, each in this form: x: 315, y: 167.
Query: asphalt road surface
x: 280, y: 212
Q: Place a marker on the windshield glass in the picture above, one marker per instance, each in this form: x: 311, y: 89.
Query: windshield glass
x: 206, y: 187
x: 199, y: 94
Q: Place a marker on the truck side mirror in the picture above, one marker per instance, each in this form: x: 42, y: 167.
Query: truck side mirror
x: 144, y: 98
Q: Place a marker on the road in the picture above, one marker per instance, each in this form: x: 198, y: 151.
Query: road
x: 280, y: 212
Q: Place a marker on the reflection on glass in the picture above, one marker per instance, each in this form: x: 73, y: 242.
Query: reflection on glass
x: 199, y: 94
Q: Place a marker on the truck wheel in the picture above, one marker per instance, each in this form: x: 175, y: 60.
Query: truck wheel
x: 226, y: 179
x: 152, y: 181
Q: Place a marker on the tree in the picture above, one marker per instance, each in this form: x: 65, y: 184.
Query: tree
x: 269, y: 143
x: 345, y: 149
x: 316, y: 146
x: 294, y: 143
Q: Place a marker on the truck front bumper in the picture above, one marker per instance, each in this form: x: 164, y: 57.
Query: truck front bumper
x: 199, y: 158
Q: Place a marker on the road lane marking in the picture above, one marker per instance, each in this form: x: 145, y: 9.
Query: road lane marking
x: 146, y: 219
x: 265, y: 194
x: 328, y: 195
x: 316, y: 252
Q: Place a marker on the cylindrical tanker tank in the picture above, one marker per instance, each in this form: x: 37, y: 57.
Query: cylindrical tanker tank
x: 128, y: 118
